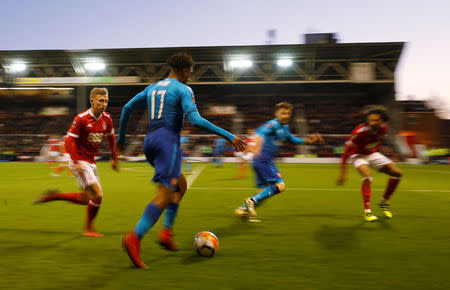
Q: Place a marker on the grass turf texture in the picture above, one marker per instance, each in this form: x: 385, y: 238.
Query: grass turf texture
x: 311, y: 236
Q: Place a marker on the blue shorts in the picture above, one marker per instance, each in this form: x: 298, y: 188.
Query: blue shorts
x: 266, y: 173
x: 162, y: 150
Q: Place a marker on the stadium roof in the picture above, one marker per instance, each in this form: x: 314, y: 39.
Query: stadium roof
x: 306, y: 63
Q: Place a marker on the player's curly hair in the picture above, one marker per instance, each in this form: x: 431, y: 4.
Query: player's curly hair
x: 380, y: 112
x: 284, y: 105
x: 180, y: 60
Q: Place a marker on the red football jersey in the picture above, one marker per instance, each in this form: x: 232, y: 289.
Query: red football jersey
x: 62, y: 145
x: 53, y: 145
x: 250, y: 140
x: 89, y: 133
x: 364, y: 142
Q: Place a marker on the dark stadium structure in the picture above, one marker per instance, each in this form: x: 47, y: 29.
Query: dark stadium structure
x: 330, y: 85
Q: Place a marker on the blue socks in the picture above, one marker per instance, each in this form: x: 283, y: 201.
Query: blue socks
x: 266, y: 193
x: 218, y: 162
x: 171, y: 214
x: 151, y: 216
x: 148, y: 219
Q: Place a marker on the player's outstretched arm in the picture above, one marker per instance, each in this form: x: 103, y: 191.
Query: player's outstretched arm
x: 190, y: 109
x: 198, y: 121
x: 314, y: 138
x: 72, y: 149
x: 119, y: 148
x: 137, y: 101
x: 114, y: 156
x: 342, y: 177
x: 343, y: 170
x: 238, y: 143
x: 115, y: 164
x: 311, y: 139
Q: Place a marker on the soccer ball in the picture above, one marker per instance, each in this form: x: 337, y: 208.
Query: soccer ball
x: 206, y: 244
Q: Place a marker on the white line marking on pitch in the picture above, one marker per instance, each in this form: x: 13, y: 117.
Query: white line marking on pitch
x: 424, y: 170
x: 318, y: 189
x: 189, y: 178
x: 195, y: 173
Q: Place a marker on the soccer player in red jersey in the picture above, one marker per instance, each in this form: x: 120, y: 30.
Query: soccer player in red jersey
x: 84, y: 139
x: 63, y: 158
x: 362, y: 149
x: 51, y: 150
x: 248, y: 154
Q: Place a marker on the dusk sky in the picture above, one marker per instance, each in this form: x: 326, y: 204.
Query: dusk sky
x: 81, y: 24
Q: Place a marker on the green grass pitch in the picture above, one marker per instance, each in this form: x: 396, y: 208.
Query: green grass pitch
x: 311, y: 236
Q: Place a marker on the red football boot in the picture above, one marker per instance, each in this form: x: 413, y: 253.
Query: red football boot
x: 132, y: 244
x: 91, y: 233
x: 165, y: 237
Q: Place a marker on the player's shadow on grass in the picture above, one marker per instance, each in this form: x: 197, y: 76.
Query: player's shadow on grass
x: 35, y: 231
x: 335, y: 237
x: 315, y: 215
x: 113, y: 233
x: 194, y: 259
x: 226, y: 179
x: 149, y: 258
x: 30, y: 245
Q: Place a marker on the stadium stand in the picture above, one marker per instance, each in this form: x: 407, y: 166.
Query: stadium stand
x: 329, y: 84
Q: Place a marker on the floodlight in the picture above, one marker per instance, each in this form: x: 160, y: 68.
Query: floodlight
x: 241, y: 63
x: 18, y: 67
x: 284, y: 62
x: 95, y: 66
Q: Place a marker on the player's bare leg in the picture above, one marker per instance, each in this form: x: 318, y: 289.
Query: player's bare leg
x: 51, y: 162
x: 242, y: 171
x: 60, y: 168
x: 96, y: 195
x: 166, y: 234
x: 395, y: 175
x: 364, y: 171
x: 81, y: 198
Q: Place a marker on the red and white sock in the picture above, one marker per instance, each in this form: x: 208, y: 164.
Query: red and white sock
x: 242, y: 169
x: 92, y: 210
x: 391, y: 186
x: 366, y: 192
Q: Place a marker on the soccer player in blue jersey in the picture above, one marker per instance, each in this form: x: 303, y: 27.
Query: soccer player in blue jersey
x: 185, y: 150
x: 168, y: 102
x: 219, y: 151
x: 268, y: 177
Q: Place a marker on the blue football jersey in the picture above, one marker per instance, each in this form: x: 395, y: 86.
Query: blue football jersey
x: 168, y: 102
x: 274, y: 134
